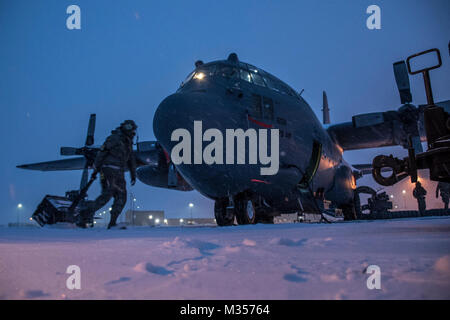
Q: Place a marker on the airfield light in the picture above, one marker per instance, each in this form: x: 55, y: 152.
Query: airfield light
x: 134, y: 199
x: 150, y: 217
x: 404, y: 191
x: 19, y: 206
x: 199, y: 76
x: 191, y: 205
x: 157, y: 221
x: 165, y: 221
x: 181, y: 220
x: 392, y: 196
x: 110, y: 209
x: 31, y: 219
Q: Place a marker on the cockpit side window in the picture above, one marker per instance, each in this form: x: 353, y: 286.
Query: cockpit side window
x: 211, y: 70
x: 188, y: 78
x: 278, y: 86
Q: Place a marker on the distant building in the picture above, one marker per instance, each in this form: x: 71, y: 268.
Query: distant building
x: 189, y: 221
x: 144, y: 218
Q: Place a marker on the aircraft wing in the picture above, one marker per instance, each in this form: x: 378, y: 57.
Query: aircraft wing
x: 56, y: 165
x: 383, y: 129
x: 367, y: 168
x: 363, y: 168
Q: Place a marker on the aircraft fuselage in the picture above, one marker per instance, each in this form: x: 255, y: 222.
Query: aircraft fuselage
x: 231, y: 95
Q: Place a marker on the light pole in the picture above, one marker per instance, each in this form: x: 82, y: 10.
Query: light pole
x: 132, y: 202
x: 191, y: 205
x: 19, y: 207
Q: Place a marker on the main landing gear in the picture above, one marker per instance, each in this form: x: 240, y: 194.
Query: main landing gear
x: 245, y: 207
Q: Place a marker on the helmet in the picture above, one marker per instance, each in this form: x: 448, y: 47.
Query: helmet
x: 128, y: 125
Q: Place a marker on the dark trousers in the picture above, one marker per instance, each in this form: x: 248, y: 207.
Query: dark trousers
x: 422, y: 205
x: 113, y: 186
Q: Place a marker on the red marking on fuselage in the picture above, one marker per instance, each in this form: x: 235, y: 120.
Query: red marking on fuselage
x: 259, y: 123
x: 259, y: 181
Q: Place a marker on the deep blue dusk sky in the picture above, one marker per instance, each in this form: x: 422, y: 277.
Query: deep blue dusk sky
x: 129, y: 55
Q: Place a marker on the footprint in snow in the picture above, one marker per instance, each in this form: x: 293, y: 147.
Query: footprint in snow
x: 122, y: 279
x: 296, y: 277
x: 203, y: 246
x: 292, y: 277
x: 151, y: 268
x: 289, y: 242
x: 30, y: 294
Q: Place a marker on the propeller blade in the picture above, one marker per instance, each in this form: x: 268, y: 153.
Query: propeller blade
x: 402, y: 79
x: 56, y: 165
x: 325, y: 109
x: 91, y: 130
x: 84, y: 178
x: 416, y: 144
x: 69, y: 151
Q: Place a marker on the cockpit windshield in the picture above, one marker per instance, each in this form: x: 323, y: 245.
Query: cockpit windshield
x: 245, y: 72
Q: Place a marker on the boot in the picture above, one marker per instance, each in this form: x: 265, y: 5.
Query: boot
x: 112, y: 222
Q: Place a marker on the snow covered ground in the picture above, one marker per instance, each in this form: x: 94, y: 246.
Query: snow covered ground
x: 282, y: 261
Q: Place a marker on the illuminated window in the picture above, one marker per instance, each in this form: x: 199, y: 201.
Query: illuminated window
x: 258, y: 80
x: 245, y: 75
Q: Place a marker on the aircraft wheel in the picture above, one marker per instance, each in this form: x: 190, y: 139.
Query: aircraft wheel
x: 222, y: 215
x: 349, y: 212
x: 265, y: 219
x: 245, y: 208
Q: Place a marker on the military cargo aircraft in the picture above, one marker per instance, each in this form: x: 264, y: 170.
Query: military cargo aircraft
x: 231, y: 95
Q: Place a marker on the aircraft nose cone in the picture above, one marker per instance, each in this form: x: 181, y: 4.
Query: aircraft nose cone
x: 171, y: 113
x: 180, y: 110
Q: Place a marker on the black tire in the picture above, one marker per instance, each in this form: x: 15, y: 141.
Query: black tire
x: 245, y: 209
x: 265, y: 219
x: 222, y: 215
x: 349, y: 212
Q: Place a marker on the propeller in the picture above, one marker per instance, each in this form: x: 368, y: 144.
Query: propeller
x: 89, y: 142
x: 408, y: 113
x: 402, y: 79
x: 85, y: 151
